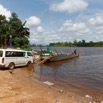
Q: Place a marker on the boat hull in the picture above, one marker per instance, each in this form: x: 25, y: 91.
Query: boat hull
x: 63, y: 57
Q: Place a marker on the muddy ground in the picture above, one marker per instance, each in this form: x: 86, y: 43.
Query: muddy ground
x: 20, y: 87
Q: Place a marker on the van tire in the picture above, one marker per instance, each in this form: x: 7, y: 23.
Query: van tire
x: 29, y: 63
x: 11, y: 66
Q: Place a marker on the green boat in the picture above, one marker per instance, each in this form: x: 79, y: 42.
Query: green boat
x: 41, y: 52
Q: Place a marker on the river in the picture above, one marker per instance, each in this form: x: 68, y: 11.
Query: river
x: 83, y: 75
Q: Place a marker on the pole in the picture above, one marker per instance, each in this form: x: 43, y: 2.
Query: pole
x: 10, y: 41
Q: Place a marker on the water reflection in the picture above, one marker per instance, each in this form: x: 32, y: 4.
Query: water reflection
x: 30, y: 70
x: 51, y: 71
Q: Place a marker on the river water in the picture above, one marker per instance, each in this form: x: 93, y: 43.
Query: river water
x: 83, y: 75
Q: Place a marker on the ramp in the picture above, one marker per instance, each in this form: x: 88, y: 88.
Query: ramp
x: 41, y: 60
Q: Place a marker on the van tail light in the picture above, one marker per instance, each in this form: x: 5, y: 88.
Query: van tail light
x: 2, y: 60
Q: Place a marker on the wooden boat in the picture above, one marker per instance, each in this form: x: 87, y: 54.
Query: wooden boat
x: 60, y: 57
x: 48, y: 55
x: 55, y: 58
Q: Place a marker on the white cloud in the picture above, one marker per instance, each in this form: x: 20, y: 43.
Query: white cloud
x: 70, y: 26
x: 80, y: 26
x: 33, y: 21
x: 69, y: 6
x: 67, y: 26
x: 39, y: 29
x: 36, y: 35
x: 87, y: 27
x: 68, y: 23
x: 69, y: 31
x: 4, y: 11
x: 98, y: 20
x: 36, y: 30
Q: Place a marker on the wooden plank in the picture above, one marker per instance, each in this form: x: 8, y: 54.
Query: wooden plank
x: 42, y: 60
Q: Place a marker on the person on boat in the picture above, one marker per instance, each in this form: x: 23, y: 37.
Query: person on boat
x: 32, y: 53
x: 75, y: 51
x: 53, y: 52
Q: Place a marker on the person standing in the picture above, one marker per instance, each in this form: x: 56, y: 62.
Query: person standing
x: 75, y: 51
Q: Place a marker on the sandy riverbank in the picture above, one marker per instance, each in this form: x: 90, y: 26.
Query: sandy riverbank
x: 20, y: 87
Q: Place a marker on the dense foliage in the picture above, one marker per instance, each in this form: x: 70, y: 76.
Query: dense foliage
x: 76, y: 43
x: 13, y: 33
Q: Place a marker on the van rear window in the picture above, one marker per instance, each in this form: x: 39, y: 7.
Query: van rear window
x: 1, y: 53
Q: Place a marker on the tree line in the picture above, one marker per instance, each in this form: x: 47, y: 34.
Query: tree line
x: 76, y: 43
x: 13, y: 32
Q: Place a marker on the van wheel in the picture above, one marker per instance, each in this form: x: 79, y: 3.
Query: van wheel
x: 11, y: 66
x: 29, y: 63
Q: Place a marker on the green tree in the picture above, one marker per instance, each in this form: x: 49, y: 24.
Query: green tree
x: 15, y: 29
x: 3, y: 31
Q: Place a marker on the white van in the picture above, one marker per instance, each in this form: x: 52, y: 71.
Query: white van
x: 12, y: 58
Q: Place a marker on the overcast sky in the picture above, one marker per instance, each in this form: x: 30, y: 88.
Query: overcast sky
x: 58, y: 20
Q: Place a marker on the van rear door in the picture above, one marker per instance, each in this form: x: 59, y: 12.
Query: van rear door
x: 1, y: 57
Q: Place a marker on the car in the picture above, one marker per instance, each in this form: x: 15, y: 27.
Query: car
x: 12, y: 58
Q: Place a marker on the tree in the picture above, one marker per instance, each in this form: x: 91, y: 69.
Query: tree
x: 3, y: 31
x: 15, y: 29
x: 75, y: 42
